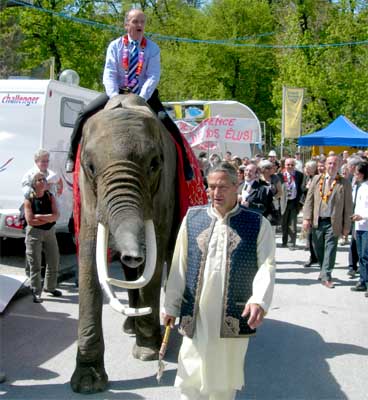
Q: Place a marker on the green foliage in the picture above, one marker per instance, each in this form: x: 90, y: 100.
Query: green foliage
x: 334, y: 78
x: 212, y: 71
x: 10, y: 41
x: 73, y: 45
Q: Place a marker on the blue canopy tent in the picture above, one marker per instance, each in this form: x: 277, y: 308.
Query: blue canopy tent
x: 340, y: 132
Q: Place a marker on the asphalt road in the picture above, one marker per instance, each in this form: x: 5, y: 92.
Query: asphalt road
x: 313, y: 344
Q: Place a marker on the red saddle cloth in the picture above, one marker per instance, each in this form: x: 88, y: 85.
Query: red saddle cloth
x: 190, y: 193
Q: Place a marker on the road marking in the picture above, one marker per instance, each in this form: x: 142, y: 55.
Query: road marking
x: 33, y: 317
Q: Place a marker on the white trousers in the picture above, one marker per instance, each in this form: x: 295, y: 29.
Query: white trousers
x: 194, y: 394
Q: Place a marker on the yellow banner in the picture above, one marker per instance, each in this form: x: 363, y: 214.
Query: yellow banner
x: 292, y: 106
x: 178, y: 111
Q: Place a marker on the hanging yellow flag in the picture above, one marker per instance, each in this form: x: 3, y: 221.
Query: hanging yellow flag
x: 292, y: 104
x: 178, y: 111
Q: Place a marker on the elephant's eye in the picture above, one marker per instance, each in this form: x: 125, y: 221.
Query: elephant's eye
x: 155, y: 164
x: 91, y: 168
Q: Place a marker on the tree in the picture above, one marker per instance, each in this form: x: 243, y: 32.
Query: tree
x: 46, y: 34
x: 334, y: 77
x: 243, y: 50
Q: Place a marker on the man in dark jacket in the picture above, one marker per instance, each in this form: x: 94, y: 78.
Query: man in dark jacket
x: 256, y: 194
x: 293, y: 186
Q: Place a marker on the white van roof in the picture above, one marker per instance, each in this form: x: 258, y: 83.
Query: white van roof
x: 39, y: 85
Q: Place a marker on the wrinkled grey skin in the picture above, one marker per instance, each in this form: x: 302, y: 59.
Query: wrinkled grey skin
x: 128, y: 166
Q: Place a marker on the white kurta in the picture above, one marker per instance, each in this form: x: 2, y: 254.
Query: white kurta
x: 207, y: 362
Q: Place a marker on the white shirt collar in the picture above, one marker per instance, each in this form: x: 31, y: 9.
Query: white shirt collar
x: 216, y: 214
x: 131, y: 41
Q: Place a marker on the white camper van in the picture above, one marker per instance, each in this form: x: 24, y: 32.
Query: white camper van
x: 35, y: 114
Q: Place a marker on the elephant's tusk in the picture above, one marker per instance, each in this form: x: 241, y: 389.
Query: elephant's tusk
x: 106, y: 281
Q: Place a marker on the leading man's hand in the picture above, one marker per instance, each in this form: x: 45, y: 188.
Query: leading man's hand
x: 307, y: 225
x: 168, y: 320
x: 256, y: 314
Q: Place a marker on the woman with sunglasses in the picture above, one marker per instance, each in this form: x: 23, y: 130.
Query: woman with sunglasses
x: 41, y: 214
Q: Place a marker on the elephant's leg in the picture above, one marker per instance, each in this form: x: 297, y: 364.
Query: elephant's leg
x: 148, y: 330
x: 131, y: 274
x: 89, y: 375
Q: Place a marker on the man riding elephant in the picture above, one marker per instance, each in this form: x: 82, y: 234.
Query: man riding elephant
x: 128, y: 188
x: 132, y: 66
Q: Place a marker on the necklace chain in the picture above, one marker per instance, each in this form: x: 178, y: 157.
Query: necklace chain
x: 326, y: 196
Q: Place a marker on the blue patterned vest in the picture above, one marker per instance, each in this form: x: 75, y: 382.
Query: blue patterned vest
x: 241, y: 268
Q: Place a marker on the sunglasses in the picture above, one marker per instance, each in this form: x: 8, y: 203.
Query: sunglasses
x: 41, y: 180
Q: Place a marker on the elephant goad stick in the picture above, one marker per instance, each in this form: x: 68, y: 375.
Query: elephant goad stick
x: 161, y: 354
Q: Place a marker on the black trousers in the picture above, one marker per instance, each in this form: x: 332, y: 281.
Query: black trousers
x: 99, y: 103
x: 289, y: 222
x: 92, y: 108
x: 313, y: 257
x: 353, y: 253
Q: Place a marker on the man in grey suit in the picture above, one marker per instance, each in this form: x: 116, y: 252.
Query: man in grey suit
x: 327, y: 210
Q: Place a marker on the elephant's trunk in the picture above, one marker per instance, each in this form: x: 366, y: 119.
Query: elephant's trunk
x: 121, y: 207
x: 107, y: 283
x: 122, y: 186
x: 130, y: 240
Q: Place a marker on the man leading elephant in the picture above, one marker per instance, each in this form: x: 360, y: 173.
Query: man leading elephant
x: 132, y: 66
x: 220, y: 284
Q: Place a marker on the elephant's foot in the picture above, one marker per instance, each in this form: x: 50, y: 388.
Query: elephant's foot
x: 145, y: 353
x: 129, y: 326
x: 89, y: 379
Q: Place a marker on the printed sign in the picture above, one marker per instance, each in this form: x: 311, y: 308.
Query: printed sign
x: 21, y: 99
x: 223, y: 130
x: 184, y: 126
x: 3, y: 166
x: 292, y: 106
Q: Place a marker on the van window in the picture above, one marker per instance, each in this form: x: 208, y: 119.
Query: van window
x: 69, y: 111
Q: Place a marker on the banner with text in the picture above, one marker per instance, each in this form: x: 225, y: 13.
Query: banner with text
x: 222, y: 130
x: 292, y: 106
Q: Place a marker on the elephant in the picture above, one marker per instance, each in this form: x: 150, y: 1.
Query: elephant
x: 127, y: 183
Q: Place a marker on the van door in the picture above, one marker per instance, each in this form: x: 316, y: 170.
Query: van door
x: 62, y: 111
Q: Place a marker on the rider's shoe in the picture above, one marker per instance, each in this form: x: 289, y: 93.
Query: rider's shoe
x: 69, y: 166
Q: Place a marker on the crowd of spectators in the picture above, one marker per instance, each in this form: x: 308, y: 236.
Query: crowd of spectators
x: 278, y: 188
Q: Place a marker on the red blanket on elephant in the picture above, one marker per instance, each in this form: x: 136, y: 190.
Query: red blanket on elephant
x: 190, y: 193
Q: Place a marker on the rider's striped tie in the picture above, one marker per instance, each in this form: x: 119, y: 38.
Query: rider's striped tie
x: 133, y: 62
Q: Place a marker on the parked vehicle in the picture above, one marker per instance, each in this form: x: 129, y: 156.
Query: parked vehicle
x: 35, y: 114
